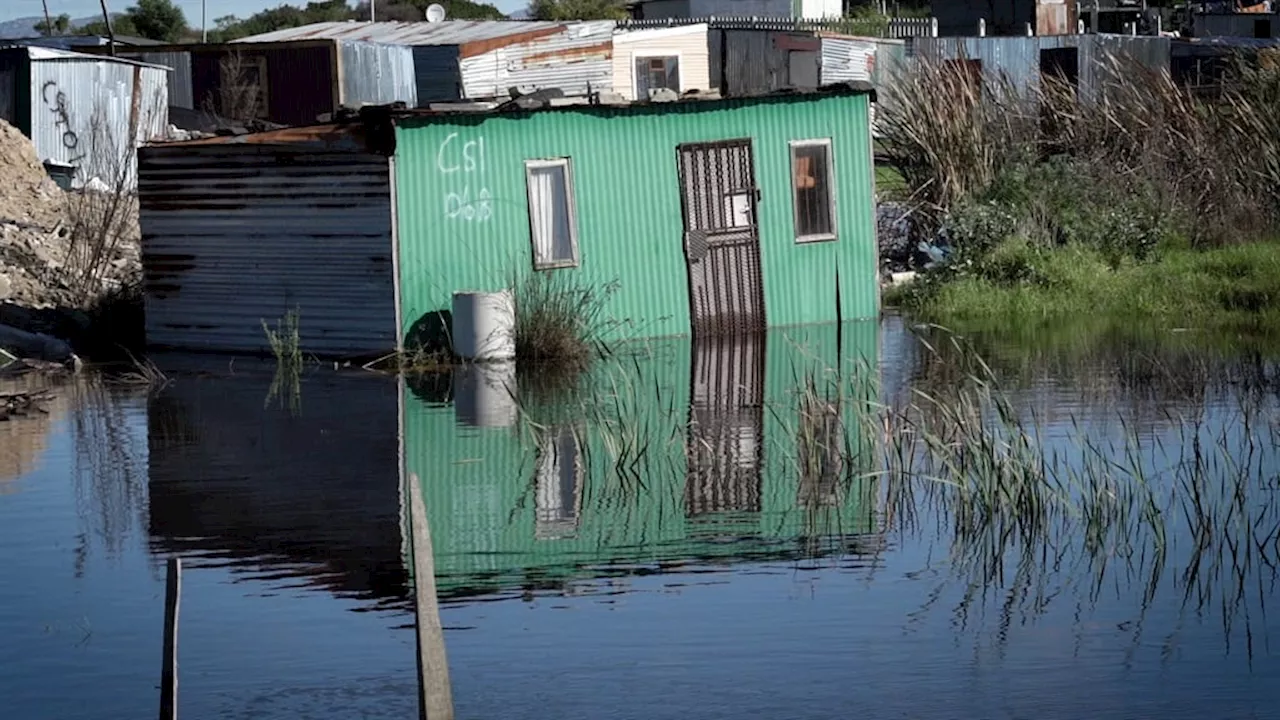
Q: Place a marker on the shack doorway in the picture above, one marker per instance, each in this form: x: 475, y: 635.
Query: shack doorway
x: 718, y: 198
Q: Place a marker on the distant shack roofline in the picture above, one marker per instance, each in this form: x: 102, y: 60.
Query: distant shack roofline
x: 372, y: 128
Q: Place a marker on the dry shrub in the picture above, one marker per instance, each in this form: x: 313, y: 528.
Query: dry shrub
x: 103, y: 214
x: 239, y: 95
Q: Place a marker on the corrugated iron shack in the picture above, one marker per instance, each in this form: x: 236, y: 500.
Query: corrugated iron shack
x: 763, y: 217
x: 1007, y: 17
x: 84, y: 111
x: 1021, y: 62
x: 754, y: 55
x: 290, y: 83
x: 478, y: 59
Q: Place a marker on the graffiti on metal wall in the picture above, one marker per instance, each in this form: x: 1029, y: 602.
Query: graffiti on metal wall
x: 56, y: 101
x: 469, y: 200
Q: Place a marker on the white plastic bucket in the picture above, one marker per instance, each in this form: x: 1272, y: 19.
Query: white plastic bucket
x: 484, y: 326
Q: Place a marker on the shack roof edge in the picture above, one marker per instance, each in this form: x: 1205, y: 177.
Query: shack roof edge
x: 369, y: 130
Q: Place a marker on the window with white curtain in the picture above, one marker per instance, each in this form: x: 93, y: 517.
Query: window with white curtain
x: 553, y: 224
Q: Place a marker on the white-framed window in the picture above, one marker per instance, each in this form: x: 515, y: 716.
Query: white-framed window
x: 656, y: 71
x: 813, y: 190
x: 553, y: 215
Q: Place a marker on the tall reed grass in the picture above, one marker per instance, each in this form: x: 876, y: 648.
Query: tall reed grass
x: 952, y: 132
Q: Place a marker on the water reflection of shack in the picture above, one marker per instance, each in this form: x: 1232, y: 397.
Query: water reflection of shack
x: 693, y: 455
x: 312, y: 494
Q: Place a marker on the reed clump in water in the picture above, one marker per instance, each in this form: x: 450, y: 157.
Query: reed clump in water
x: 560, y: 320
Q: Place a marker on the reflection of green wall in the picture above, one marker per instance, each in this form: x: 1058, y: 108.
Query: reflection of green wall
x: 478, y: 483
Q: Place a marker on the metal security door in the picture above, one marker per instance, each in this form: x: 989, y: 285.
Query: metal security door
x: 718, y: 195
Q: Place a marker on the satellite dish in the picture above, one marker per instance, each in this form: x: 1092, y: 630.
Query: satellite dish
x: 435, y: 13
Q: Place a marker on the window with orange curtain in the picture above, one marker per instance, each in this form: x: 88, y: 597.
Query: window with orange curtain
x: 813, y: 194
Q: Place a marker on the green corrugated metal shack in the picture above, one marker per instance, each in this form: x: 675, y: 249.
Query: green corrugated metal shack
x: 712, y: 215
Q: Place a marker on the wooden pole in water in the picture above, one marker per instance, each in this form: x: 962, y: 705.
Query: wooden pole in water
x: 435, y: 698
x: 169, y: 671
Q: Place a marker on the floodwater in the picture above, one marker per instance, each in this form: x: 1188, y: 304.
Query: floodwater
x: 658, y: 540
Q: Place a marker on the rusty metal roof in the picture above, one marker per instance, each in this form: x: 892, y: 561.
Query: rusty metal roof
x: 447, y: 32
x: 357, y: 135
x: 330, y: 136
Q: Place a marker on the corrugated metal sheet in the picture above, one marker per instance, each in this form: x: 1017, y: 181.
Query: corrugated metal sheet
x: 375, y: 74
x: 448, y: 32
x: 1016, y: 60
x: 236, y: 234
x: 752, y: 62
x: 91, y: 112
x: 464, y: 224
x: 437, y: 73
x: 847, y: 59
x: 577, y: 60
x: 180, y: 89
x: 689, y: 42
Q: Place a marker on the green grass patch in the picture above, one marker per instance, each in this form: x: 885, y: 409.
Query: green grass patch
x: 1234, y: 288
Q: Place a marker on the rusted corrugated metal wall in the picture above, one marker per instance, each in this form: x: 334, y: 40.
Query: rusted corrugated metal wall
x: 374, y: 74
x: 92, y: 112
x: 577, y: 60
x: 233, y: 235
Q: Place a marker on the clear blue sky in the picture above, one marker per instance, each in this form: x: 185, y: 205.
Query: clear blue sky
x: 10, y: 9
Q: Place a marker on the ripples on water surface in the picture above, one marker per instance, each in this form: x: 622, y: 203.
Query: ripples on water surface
x: 693, y: 531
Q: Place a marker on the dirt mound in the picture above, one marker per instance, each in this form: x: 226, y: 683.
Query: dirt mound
x: 27, y: 195
x: 58, y: 249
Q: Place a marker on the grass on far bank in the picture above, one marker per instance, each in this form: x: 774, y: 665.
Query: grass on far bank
x: 1139, y: 200
x: 1234, y: 288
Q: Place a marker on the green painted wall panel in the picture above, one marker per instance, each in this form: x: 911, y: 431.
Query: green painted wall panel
x: 463, y: 209
x: 480, y: 484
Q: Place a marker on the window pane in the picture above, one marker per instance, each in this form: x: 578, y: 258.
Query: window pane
x: 657, y: 72
x: 549, y: 214
x: 642, y: 78
x: 673, y: 74
x: 811, y: 172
